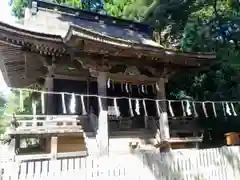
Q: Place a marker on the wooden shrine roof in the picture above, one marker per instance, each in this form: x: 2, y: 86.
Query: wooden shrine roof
x: 68, y: 31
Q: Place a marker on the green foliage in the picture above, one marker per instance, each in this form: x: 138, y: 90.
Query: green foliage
x: 126, y: 9
x: 18, y: 6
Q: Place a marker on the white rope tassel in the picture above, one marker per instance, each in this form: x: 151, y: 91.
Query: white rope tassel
x: 122, y: 87
x: 224, y: 110
x: 108, y: 83
x: 204, y: 109
x: 145, y: 108
x: 84, y: 112
x: 228, y: 110
x: 233, y: 109
x: 63, y: 104
x: 214, y: 109
x: 183, y: 109
x: 43, y: 102
x: 137, y: 107
x: 188, y: 109
x: 194, y: 109
x: 21, y: 103
x: 158, y: 109
x: 170, y: 108
x: 73, y: 104
x: 130, y: 107
x: 116, y: 107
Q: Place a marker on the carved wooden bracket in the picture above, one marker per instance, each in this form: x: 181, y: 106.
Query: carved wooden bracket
x: 101, y: 65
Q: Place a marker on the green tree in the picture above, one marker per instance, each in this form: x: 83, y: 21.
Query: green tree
x: 18, y: 6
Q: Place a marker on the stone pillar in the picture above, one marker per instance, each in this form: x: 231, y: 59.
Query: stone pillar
x: 102, y: 132
x: 163, y: 120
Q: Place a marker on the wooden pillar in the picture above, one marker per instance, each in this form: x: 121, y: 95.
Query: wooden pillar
x: 163, y: 120
x: 49, y: 86
x: 54, y: 141
x: 17, y: 143
x: 102, y: 132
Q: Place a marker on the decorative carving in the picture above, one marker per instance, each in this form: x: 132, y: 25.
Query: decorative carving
x: 132, y: 71
x: 101, y: 65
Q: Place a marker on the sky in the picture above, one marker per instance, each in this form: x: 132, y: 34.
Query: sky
x: 5, y: 15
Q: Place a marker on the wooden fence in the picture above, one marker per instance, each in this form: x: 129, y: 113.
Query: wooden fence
x: 218, y: 163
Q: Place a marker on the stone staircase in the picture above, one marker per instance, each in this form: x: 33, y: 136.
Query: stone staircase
x: 127, y: 141
x: 120, y: 141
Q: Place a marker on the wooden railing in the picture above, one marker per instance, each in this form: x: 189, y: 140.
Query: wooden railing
x: 51, y: 124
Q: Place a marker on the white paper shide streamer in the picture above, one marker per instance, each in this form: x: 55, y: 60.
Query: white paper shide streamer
x: 116, y: 107
x: 130, y: 107
x: 224, y: 110
x: 108, y: 83
x: 157, y: 87
x: 73, y: 104
x: 137, y: 107
x: 204, y: 109
x: 214, y: 109
x: 183, y: 108
x: 228, y: 110
x: 145, y: 108
x: 63, y: 103
x: 43, y: 102
x: 143, y: 89
x: 100, y: 104
x: 158, y: 108
x: 188, y: 109
x: 170, y: 108
x: 84, y: 112
x: 126, y: 88
x: 233, y: 109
